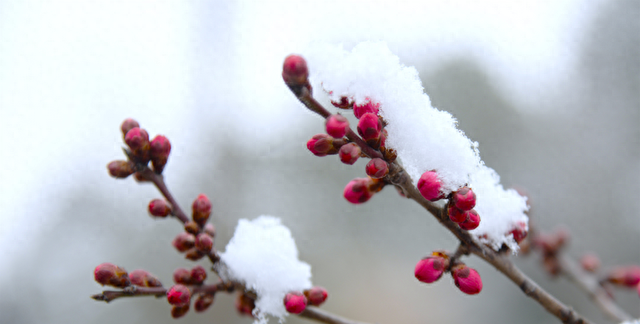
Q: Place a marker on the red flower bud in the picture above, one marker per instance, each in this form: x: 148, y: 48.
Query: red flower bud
x: 182, y: 276
x: 295, y: 302
x: 245, y: 305
x: 464, y: 198
x: 472, y: 221
x: 590, y: 262
x: 192, y: 227
x: 628, y: 276
x: 367, y: 107
x: 193, y: 254
x: 127, y: 125
x: 159, y: 208
x: 431, y: 268
x: 377, y: 168
x: 203, y: 302
x: 357, y: 190
x: 204, y: 242
x: 321, y: 145
x: 349, y: 153
x: 337, y: 126
x: 201, y: 208
x: 369, y: 127
x: 198, y: 275
x: 179, y: 295
x: 467, y: 279
x: 429, y: 186
x: 120, y: 169
x: 344, y: 103
x: 179, y: 311
x: 137, y: 139
x: 316, y: 295
x: 143, y: 278
x: 184, y: 241
x: 210, y: 229
x: 294, y: 70
x: 519, y: 232
x: 111, y: 275
x: 456, y: 215
x: 160, y: 147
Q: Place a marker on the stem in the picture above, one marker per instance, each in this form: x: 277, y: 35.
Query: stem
x: 134, y: 291
x: 158, y: 181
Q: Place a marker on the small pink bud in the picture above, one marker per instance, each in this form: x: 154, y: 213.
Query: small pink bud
x: 179, y: 295
x: 467, y: 279
x: 344, y: 103
x: 472, y: 221
x: 210, y: 229
x: 357, y: 191
x: 367, y: 107
x: 369, y: 127
x: 628, y: 276
x: 464, y: 198
x: 203, y: 302
x: 159, y: 208
x: 184, y: 241
x: 111, y: 275
x: 120, y: 169
x: 127, y: 125
x: 204, y: 242
x: 337, y: 126
x: 201, y: 208
x: 198, y: 275
x: 456, y: 215
x: 294, y: 70
x: 160, y: 147
x: 179, y: 311
x: 321, y: 145
x: 192, y: 227
x: 316, y: 295
x: 182, y: 276
x: 377, y: 168
x: 429, y: 186
x: 137, y: 139
x: 519, y: 232
x: 143, y: 278
x: 590, y: 262
x: 295, y: 302
x: 193, y: 254
x: 431, y: 268
x: 349, y: 153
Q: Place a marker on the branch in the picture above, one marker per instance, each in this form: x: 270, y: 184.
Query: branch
x: 134, y: 291
x: 158, y: 181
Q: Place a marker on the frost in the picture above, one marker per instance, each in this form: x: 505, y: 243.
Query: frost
x: 263, y: 255
x: 424, y: 137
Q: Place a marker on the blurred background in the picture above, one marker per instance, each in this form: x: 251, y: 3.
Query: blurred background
x: 550, y: 90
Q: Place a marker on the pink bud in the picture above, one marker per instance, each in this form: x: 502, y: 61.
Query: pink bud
x: 337, y: 126
x: 464, y: 198
x: 316, y: 295
x: 127, y: 125
x: 294, y: 70
x: 431, y: 268
x: 201, y: 209
x: 429, y: 186
x: 344, y: 103
x: 179, y: 295
x: 182, y: 276
x: 628, y: 276
x: 367, y: 107
x: 519, y: 232
x: 111, y: 275
x: 179, y: 311
x: 120, y: 169
x: 159, y: 208
x: 143, y: 278
x: 321, y: 145
x: 357, y: 190
x: 184, y: 241
x: 456, y: 215
x: 204, y: 242
x: 210, y: 229
x: 590, y: 262
x: 377, y: 168
x: 193, y: 254
x: 472, y: 221
x: 467, y: 279
x: 349, y: 153
x: 203, y: 302
x: 137, y: 139
x: 198, y: 275
x: 369, y: 127
x: 295, y: 302
x: 160, y: 147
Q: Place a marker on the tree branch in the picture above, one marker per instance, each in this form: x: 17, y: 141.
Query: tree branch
x: 158, y: 181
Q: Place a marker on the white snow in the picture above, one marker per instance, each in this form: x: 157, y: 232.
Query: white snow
x: 424, y: 137
x: 636, y: 321
x: 263, y: 255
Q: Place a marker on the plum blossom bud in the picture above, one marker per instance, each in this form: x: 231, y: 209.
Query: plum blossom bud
x: 357, y: 191
x: 337, y: 126
x: 184, y: 241
x: 159, y: 208
x: 590, y: 262
x: 369, y: 127
x: 120, y: 169
x: 322, y: 145
x: 367, y: 107
x: 179, y: 295
x: 160, y: 149
x: 203, y: 302
x: 294, y: 70
x: 111, y: 275
x: 201, y: 208
x: 519, y: 232
x: 349, y: 153
x: 210, y: 229
x: 143, y: 278
x: 377, y: 168
x: 179, y: 311
x: 464, y: 198
x: 127, y: 125
x: 193, y: 254
x: 472, y: 221
x: 204, y: 242
x: 628, y: 276
x: 295, y: 302
x: 467, y: 279
x: 137, y: 139
x: 192, y: 227
x: 431, y: 268
x: 344, y: 103
x: 198, y: 275
x: 316, y: 295
x: 456, y: 215
x: 182, y: 276
x: 245, y: 305
x: 429, y: 186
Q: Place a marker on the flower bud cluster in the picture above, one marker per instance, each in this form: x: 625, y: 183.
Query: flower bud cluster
x: 180, y: 294
x: 198, y: 238
x: 196, y: 276
x: 431, y: 268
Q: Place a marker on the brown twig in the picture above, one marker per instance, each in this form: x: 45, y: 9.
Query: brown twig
x: 158, y: 181
x: 133, y: 291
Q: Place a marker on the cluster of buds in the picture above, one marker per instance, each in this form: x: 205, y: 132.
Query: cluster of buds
x: 140, y: 151
x: 179, y: 296
x: 196, y: 276
x: 296, y: 302
x: 197, y: 239
x: 111, y: 275
x: 550, y: 245
x: 431, y: 268
x: 627, y: 276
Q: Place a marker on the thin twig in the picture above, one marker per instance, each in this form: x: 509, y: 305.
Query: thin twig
x: 158, y: 181
x: 134, y: 291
